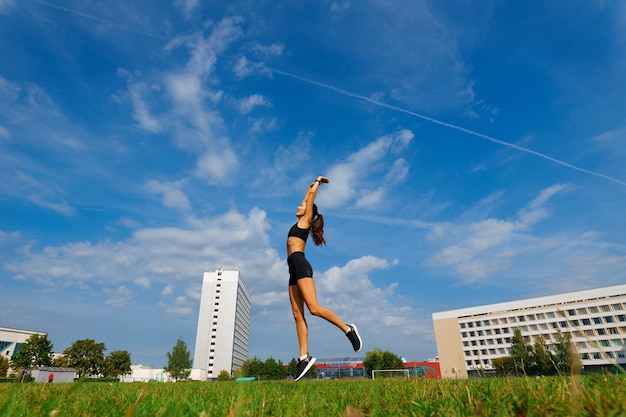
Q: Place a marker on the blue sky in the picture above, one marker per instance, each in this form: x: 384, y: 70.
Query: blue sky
x: 476, y: 152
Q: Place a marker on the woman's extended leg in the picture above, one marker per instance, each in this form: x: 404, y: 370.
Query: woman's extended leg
x: 307, y: 293
x: 297, y: 307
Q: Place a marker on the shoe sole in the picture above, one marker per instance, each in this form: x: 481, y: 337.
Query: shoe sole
x: 311, y: 362
x: 358, y: 336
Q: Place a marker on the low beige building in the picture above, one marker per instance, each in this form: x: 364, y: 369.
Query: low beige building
x: 468, y: 339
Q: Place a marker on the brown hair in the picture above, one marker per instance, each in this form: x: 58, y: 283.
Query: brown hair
x: 317, y: 227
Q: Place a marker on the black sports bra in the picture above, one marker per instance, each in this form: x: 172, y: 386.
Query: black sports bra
x: 297, y: 232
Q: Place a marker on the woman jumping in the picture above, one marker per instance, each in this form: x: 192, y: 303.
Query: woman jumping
x: 301, y: 284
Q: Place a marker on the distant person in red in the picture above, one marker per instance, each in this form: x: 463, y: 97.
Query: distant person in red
x: 301, y: 285
x: 51, y: 377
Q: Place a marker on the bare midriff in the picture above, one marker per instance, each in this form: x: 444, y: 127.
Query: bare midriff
x: 295, y: 244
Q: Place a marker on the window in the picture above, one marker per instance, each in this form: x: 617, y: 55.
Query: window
x: 486, y: 322
x: 550, y: 314
x: 497, y: 331
x: 521, y: 318
x: 604, y: 343
x: 462, y: 325
x: 582, y: 310
x: 586, y: 322
x: 601, y: 332
x: 593, y: 309
x: 595, y: 355
x: 616, y: 307
x: 584, y: 356
x: 575, y: 323
x: 608, y: 319
x: 563, y: 324
x: 571, y: 312
x: 616, y: 342
x: 621, y: 317
x: 605, y: 308
x: 597, y: 320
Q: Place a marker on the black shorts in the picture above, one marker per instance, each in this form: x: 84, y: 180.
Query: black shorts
x: 299, y: 267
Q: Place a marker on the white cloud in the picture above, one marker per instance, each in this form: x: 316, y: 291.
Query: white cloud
x: 171, y: 193
x: 4, y: 133
x: 118, y: 297
x: 367, y: 174
x: 168, y: 290
x: 6, y: 6
x: 141, y: 113
x: 246, y: 104
x: 187, y: 6
x: 143, y: 282
x: 479, y: 249
x: 217, y: 166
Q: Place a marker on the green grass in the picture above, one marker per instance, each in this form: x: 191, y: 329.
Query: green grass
x: 592, y: 395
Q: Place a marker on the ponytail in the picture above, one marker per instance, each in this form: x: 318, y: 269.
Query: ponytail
x: 317, y: 227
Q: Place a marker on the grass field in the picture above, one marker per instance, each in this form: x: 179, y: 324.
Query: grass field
x: 593, y: 395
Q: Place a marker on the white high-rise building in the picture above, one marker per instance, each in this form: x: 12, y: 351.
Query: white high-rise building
x: 223, y: 324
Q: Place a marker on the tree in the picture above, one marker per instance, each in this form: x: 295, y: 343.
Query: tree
x: 377, y: 359
x: 36, y: 351
x: 504, y: 366
x: 179, y: 361
x: 223, y: 375
x: 61, y: 362
x: 253, y: 367
x: 274, y: 370
x: 116, y: 364
x: 86, y: 356
x: 565, y: 356
x: 542, y: 360
x: 4, y: 366
x: 520, y: 352
x: 292, y: 367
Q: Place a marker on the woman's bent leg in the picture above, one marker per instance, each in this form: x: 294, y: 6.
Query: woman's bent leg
x: 306, y: 287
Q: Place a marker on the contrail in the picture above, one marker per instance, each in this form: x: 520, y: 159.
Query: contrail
x: 98, y: 19
x: 440, y: 123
